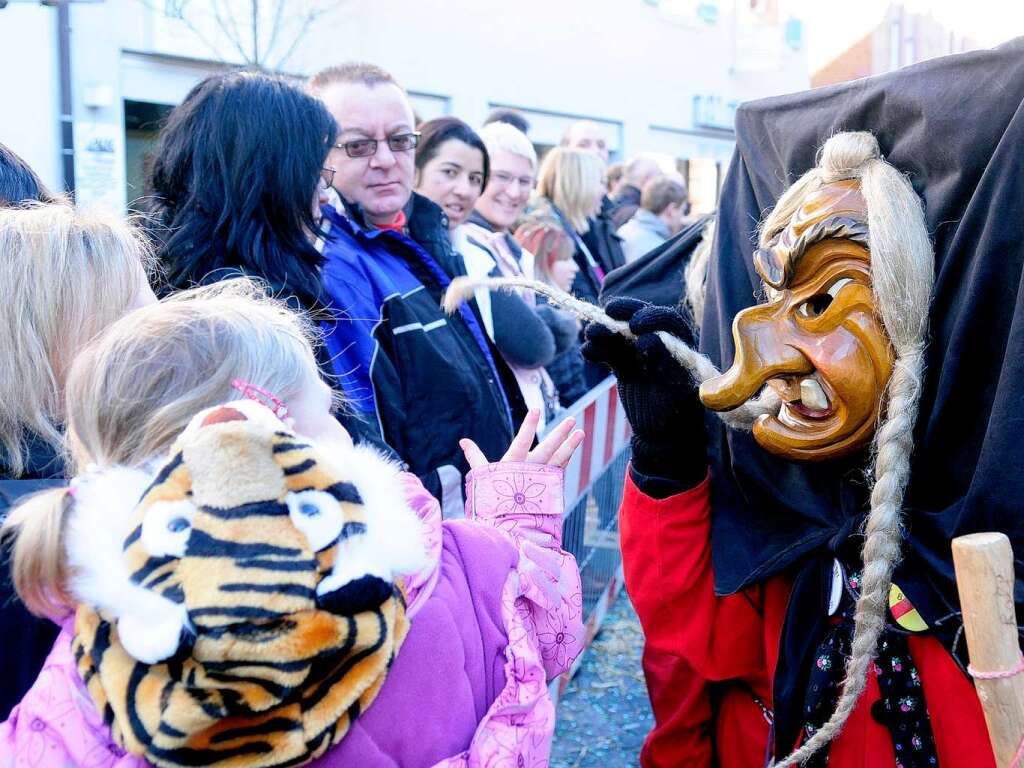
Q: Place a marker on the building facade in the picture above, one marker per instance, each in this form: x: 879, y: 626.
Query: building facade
x: 660, y: 76
x: 901, y: 38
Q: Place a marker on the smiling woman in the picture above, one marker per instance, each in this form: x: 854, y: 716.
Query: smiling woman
x: 452, y: 167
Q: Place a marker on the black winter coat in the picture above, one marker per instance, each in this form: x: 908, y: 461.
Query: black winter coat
x: 25, y: 640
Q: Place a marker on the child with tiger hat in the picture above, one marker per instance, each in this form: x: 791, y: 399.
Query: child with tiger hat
x: 238, y: 585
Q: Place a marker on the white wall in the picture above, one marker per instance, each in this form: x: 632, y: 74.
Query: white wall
x: 29, y: 94
x: 633, y: 65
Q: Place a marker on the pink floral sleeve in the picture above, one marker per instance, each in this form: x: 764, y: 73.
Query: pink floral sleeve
x: 420, y: 585
x: 56, y: 725
x: 525, y: 501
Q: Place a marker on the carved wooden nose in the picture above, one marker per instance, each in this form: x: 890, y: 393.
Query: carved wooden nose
x: 761, y: 354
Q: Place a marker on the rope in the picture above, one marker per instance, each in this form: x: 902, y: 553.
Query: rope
x: 699, y: 366
x: 1001, y: 675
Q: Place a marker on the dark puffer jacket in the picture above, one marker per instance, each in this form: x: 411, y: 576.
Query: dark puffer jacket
x: 24, y: 640
x: 423, y: 378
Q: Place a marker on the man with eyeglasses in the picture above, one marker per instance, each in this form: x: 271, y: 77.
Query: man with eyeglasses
x: 423, y: 379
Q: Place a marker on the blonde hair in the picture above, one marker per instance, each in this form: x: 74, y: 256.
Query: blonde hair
x: 502, y: 137
x: 695, y: 275
x: 573, y: 180
x: 902, y: 275
x: 132, y: 391
x: 66, y: 275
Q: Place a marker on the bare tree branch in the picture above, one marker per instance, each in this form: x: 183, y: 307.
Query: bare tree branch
x: 230, y: 29
x: 311, y: 18
x: 227, y: 15
x: 181, y: 16
x: 275, y: 27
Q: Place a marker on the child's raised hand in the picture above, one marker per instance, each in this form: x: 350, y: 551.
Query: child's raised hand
x: 555, y: 450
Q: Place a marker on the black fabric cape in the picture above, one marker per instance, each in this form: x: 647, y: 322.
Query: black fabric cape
x: 955, y: 126
x: 657, y: 276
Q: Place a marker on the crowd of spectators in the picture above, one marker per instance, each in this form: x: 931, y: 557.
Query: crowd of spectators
x: 360, y: 220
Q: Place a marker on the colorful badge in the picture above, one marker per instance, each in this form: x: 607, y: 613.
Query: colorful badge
x: 904, y: 612
x: 836, y: 593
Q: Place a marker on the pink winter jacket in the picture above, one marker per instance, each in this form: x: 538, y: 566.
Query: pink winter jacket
x: 539, y: 610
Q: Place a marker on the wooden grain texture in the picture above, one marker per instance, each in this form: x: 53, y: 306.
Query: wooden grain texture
x: 985, y: 577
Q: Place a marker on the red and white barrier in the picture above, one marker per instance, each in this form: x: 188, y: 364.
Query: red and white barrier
x: 600, y: 415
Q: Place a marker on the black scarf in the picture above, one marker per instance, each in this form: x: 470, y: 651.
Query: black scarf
x: 955, y: 126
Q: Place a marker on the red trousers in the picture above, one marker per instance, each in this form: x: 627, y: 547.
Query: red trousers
x: 709, y: 661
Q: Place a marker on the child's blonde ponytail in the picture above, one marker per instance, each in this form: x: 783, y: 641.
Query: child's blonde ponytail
x: 38, y: 566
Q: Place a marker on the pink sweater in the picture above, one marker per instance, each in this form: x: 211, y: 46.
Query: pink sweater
x: 56, y: 724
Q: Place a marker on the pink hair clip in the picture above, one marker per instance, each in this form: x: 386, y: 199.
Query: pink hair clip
x: 263, y: 397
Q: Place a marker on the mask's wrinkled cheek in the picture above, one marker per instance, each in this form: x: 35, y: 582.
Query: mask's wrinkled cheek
x: 852, y: 362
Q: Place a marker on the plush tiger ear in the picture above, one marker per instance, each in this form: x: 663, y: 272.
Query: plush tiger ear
x: 149, y: 625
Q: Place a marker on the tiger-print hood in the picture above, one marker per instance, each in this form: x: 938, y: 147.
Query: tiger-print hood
x: 239, y: 602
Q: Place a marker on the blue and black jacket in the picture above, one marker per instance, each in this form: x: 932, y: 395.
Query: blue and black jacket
x: 423, y: 378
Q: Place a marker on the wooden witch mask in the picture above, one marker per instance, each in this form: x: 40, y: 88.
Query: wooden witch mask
x: 817, y: 340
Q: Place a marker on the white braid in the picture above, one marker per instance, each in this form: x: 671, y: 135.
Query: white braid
x: 902, y: 270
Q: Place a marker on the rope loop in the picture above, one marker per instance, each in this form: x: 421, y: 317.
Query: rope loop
x: 1000, y: 675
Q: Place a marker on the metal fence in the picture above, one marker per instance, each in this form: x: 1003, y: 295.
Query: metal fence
x: 593, y: 491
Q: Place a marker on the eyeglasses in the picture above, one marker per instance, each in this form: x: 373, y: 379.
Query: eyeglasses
x: 327, y: 174
x: 400, y: 142
x: 507, y: 179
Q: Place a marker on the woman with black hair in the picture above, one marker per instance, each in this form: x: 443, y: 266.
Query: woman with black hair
x: 18, y: 182
x: 234, y: 185
x: 235, y: 189
x: 452, y: 169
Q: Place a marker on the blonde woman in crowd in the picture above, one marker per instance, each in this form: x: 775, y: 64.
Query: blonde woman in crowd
x: 570, y: 187
x: 66, y: 277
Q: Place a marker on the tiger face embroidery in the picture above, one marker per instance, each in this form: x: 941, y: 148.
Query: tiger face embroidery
x: 254, y: 606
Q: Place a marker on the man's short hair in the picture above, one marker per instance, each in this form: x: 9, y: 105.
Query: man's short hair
x: 661, y: 192
x: 641, y: 169
x: 510, y: 116
x: 359, y: 72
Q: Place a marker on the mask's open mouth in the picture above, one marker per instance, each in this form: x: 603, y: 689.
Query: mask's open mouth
x: 804, y: 399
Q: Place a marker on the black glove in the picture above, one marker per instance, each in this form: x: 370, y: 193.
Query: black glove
x: 657, y: 393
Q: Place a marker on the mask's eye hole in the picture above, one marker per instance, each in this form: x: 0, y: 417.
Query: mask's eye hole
x: 167, y: 527
x: 317, y: 515
x: 815, y: 305
x: 819, y: 302
x: 833, y: 290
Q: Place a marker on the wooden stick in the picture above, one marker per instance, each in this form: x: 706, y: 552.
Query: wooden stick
x: 985, y: 578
